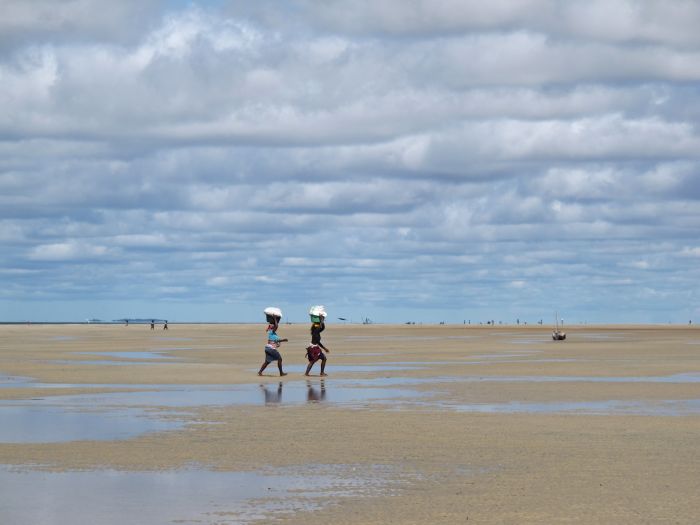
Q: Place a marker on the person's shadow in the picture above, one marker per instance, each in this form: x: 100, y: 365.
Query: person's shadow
x: 315, y: 394
x: 272, y: 396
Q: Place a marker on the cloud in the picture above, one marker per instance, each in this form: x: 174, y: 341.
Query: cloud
x: 68, y: 251
x: 218, y: 281
x: 413, y: 157
x: 266, y: 279
x: 27, y: 21
x: 617, y: 21
x: 139, y: 240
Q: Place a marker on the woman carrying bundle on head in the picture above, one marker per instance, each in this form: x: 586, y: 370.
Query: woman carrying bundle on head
x: 314, y: 352
x: 273, y: 315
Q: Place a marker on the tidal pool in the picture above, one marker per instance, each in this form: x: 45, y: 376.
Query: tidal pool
x: 53, y: 424
x: 123, y: 415
x: 154, y: 408
x: 13, y: 381
x: 675, y: 378
x: 668, y: 407
x: 128, y: 359
x: 130, y: 355
x: 105, y: 362
x: 511, y: 355
x: 292, y: 393
x: 109, y: 497
x: 330, y: 368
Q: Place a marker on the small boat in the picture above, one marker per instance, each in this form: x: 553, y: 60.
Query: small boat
x: 557, y: 334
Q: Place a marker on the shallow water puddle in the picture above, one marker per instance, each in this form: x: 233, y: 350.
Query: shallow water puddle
x: 105, y: 362
x: 675, y: 378
x: 510, y: 355
x: 675, y: 407
x: 13, y: 381
x: 112, y: 497
x: 122, y: 415
x: 292, y: 393
x: 379, y: 367
x: 53, y: 424
x: 128, y: 358
x: 129, y: 355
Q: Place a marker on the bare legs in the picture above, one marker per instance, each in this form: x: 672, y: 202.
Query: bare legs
x: 322, y: 358
x: 279, y: 366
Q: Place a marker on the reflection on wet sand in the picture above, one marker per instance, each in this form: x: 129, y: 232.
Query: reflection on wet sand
x: 180, y: 496
x: 316, y: 393
x: 272, y: 395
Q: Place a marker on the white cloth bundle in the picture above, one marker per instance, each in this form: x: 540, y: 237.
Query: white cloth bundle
x: 273, y: 311
x: 319, y: 310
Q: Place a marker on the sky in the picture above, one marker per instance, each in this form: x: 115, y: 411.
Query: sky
x: 401, y: 160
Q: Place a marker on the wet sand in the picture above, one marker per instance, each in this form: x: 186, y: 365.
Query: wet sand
x: 489, y: 424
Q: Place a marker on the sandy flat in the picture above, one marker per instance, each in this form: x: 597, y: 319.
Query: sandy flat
x: 501, y: 424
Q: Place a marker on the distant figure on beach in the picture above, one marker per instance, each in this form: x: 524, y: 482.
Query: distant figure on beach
x: 165, y: 325
x: 127, y: 322
x: 314, y: 351
x: 273, y: 344
x: 153, y: 324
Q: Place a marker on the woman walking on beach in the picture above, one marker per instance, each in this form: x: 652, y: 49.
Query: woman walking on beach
x: 273, y: 341
x: 314, y: 351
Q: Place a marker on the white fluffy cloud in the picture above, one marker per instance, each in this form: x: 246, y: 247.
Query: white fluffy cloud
x: 416, y: 158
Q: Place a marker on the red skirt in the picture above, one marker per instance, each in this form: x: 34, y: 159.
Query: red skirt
x: 314, y: 353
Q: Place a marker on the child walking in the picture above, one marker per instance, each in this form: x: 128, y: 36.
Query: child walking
x: 314, y: 352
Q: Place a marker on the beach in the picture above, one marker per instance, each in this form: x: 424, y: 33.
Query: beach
x: 414, y: 424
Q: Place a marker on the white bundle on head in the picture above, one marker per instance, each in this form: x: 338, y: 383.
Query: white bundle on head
x: 319, y: 310
x: 273, y: 311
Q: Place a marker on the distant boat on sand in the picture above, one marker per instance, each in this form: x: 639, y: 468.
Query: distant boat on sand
x: 557, y: 334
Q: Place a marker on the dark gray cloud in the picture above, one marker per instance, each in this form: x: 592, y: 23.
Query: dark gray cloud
x: 425, y: 159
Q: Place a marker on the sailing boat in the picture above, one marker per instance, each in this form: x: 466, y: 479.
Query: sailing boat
x: 557, y: 334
